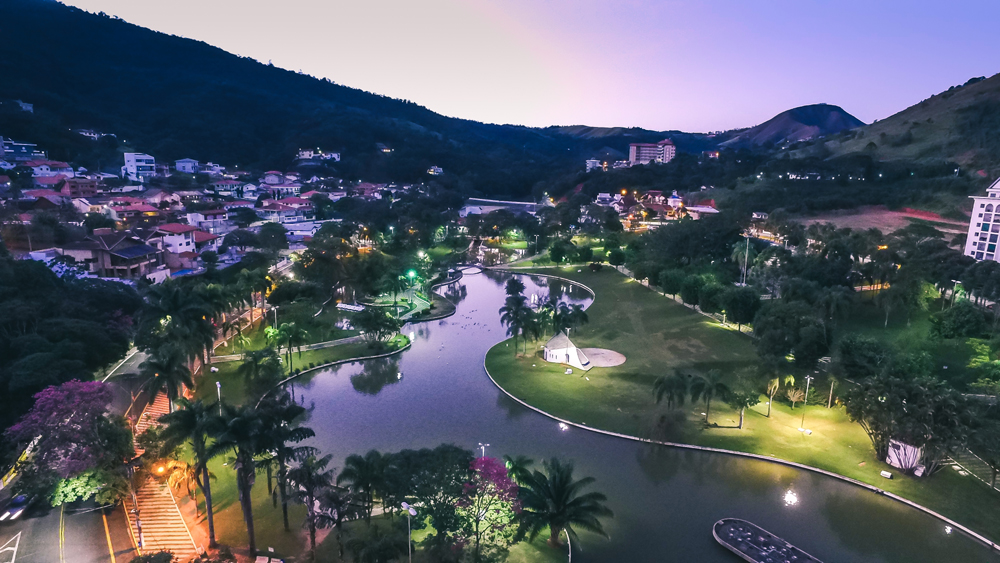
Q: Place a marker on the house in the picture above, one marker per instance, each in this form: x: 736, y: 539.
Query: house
x: 368, y: 190
x: 138, y: 167
x: 81, y: 187
x: 54, y: 197
x: 655, y: 196
x: 273, y: 177
x: 293, y: 212
x: 49, y: 168
x: 49, y: 182
x: 161, y: 198
x: 212, y: 168
x: 594, y: 164
x: 435, y: 171
x: 187, y: 166
x: 135, y: 214
x: 85, y: 206
x: 561, y: 350
x: 285, y: 189
x: 226, y: 187
x: 190, y: 196
x: 214, y: 221
x: 117, y: 254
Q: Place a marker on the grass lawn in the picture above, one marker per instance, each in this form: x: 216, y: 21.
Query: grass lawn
x: 524, y: 552
x: 658, y: 335
x: 320, y: 329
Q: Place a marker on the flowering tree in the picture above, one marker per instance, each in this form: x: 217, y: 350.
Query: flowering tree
x: 78, y: 448
x: 488, y: 506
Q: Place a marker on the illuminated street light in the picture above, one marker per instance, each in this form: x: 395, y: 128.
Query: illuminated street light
x: 483, y: 447
x: 410, y: 512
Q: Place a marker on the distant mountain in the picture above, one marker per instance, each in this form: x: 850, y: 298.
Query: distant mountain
x: 961, y: 124
x: 798, y: 124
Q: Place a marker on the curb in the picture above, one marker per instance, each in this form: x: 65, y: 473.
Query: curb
x: 794, y: 464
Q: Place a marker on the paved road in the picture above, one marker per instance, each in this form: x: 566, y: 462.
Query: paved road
x: 72, y: 534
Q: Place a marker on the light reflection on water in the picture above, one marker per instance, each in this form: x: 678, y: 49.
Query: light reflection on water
x: 665, y: 500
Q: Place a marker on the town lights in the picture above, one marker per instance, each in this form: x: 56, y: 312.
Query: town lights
x: 411, y: 274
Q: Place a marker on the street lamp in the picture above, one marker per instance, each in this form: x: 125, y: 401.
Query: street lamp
x: 410, y: 512
x: 275, y: 317
x: 805, y: 402
x: 483, y: 447
x: 218, y: 388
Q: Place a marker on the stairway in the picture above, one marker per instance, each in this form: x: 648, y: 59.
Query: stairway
x: 150, y: 415
x: 163, y: 527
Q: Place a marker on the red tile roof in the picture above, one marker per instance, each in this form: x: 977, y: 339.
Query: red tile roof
x: 202, y: 236
x: 176, y: 228
x: 49, y: 180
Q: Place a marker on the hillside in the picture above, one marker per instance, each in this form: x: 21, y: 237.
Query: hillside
x: 961, y: 125
x: 798, y: 124
x: 174, y: 97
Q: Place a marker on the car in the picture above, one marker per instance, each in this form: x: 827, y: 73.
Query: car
x: 14, y: 507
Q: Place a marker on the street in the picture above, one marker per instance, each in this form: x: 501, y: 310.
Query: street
x: 71, y: 534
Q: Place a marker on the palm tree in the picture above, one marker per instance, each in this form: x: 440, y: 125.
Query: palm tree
x: 166, y: 371
x: 515, y: 316
x: 396, y: 285
x: 180, y: 474
x: 674, y: 387
x: 336, y: 506
x: 364, y: 476
x: 833, y: 382
x: 194, y: 423
x: 293, y: 336
x: 175, y: 315
x: 259, y: 368
x: 743, y: 254
x: 708, y: 387
x: 576, y: 317
x: 553, y: 500
x: 377, y: 547
x: 518, y: 468
x: 309, y: 478
x: 277, y: 436
x: 241, y: 433
x: 772, y: 389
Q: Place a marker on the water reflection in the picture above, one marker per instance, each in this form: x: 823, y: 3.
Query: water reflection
x: 665, y: 499
x: 456, y: 293
x: 376, y: 375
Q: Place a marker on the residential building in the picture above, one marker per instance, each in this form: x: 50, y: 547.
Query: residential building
x: 226, y: 187
x: 287, y: 189
x: 644, y: 153
x: 135, y: 215
x: 160, y: 198
x: 595, y: 164
x: 138, y: 167
x: 287, y: 210
x: 435, y: 171
x: 41, y: 168
x: 81, y: 187
x: 215, y: 221
x: 117, y: 254
x: 984, y: 226
x: 57, y: 199
x: 273, y: 177
x: 19, y: 152
x: 177, y: 237
x: 187, y: 166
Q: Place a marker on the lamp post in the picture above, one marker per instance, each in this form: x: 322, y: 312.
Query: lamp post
x: 805, y: 403
x: 218, y: 388
x: 410, y: 512
x: 483, y: 447
x: 275, y: 317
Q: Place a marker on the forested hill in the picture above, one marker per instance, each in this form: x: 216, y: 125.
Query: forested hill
x: 174, y: 97
x: 797, y: 124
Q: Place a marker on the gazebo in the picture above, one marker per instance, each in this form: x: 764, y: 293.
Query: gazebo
x: 561, y: 350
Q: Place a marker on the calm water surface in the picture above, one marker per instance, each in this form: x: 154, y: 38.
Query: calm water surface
x: 665, y: 500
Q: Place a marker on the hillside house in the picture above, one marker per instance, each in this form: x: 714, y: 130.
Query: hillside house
x: 187, y: 166
x: 215, y: 221
x: 107, y: 253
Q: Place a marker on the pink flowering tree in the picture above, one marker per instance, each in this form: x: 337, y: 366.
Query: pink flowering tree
x: 77, y: 448
x: 488, y: 507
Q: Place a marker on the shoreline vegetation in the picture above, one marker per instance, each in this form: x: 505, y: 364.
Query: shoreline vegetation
x: 658, y: 335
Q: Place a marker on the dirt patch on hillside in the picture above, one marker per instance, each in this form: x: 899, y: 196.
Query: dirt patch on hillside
x: 885, y: 220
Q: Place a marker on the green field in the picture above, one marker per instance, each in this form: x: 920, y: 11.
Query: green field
x: 658, y: 335
x: 321, y: 328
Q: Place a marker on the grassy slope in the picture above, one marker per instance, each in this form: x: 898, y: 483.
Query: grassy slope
x: 931, y: 138
x: 657, y: 335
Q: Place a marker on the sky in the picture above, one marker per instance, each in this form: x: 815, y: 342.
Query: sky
x: 685, y: 65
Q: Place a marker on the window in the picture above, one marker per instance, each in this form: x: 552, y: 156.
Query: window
x: 989, y: 256
x: 989, y: 208
x: 991, y: 248
x: 979, y: 256
x: 993, y: 238
x: 995, y: 229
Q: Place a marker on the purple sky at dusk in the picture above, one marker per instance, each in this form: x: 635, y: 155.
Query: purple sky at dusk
x: 669, y: 64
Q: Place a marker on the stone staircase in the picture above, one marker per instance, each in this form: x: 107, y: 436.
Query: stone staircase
x: 150, y: 416
x: 163, y: 527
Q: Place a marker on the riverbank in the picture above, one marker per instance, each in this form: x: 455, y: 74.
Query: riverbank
x: 658, y: 335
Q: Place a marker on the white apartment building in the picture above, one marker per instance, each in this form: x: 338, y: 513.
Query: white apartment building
x: 984, y: 227
x: 187, y: 165
x: 138, y: 167
x: 644, y: 153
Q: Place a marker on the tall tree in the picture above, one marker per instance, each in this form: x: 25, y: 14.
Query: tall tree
x: 553, y: 500
x: 195, y: 423
x: 279, y: 434
x: 708, y: 387
x: 365, y: 475
x: 308, y: 480
x: 241, y: 434
x: 166, y: 371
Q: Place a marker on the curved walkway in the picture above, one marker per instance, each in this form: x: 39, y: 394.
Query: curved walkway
x: 316, y: 346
